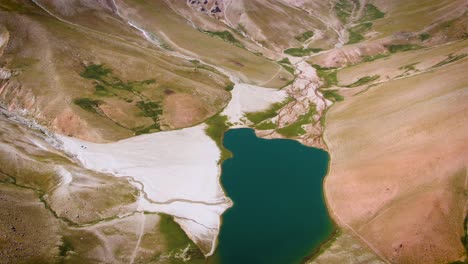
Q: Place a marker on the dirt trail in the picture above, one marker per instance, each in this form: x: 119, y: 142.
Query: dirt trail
x: 142, y: 232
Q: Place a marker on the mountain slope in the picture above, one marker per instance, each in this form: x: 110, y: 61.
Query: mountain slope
x: 380, y: 84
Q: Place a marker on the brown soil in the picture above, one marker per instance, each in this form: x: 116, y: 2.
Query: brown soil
x: 184, y: 110
x: 398, y: 166
x: 22, y: 239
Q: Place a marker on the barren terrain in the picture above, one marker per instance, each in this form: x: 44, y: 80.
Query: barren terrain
x: 113, y: 113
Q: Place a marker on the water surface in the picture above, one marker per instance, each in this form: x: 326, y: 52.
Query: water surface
x: 279, y: 214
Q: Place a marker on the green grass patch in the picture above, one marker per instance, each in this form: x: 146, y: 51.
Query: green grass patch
x: 106, y: 83
x: 176, y: 241
x: 305, y: 36
x: 105, y: 80
x: 464, y: 240
x: 402, y: 47
x: 199, y: 65
x: 301, y: 52
x: 343, y: 10
x: 323, y: 119
x: 424, y: 36
x: 332, y: 95
x: 285, y: 61
x: 450, y: 59
x: 217, y: 126
x: 229, y: 87
x: 409, y: 67
x: 88, y: 104
x: 65, y: 247
x: 147, y: 130
x: 328, y: 75
x: 354, y: 37
x: 375, y: 57
x: 288, y: 68
x: 355, y: 33
x: 150, y: 109
x: 295, y: 129
x: 371, y: 12
x: 95, y: 71
x: 226, y: 36
x: 258, y: 117
x: 102, y: 91
x: 318, y: 67
x: 364, y: 80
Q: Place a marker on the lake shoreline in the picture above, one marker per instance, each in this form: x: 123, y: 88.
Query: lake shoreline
x: 330, y: 226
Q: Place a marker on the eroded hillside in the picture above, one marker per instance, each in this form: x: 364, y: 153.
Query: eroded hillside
x: 381, y: 85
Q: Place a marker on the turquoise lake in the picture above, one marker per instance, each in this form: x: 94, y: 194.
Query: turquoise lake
x: 279, y: 214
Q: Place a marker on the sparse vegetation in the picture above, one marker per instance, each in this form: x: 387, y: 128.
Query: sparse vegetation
x: 371, y: 12
x: 363, y: 27
x: 355, y: 33
x: 258, y: 117
x: 176, y: 241
x: 375, y: 57
x: 464, y: 238
x: 102, y: 91
x: 65, y: 247
x: 450, y: 59
x: 13, y: 6
x: 424, y: 36
x: 229, y: 87
x: 105, y: 80
x: 318, y: 67
x: 217, y: 125
x: 402, y: 47
x: 287, y: 65
x: 288, y: 68
x: 87, y: 104
x: 409, y: 67
x: 266, y: 125
x: 305, y: 36
x: 150, y: 109
x: 288, y: 82
x: 146, y: 130
x: 295, y: 129
x: 107, y: 84
x: 343, y: 10
x: 226, y: 36
x: 301, y: 52
x: 285, y: 61
x: 95, y: 71
x: 448, y: 23
x: 332, y: 95
x: 328, y: 75
x: 363, y: 80
x: 354, y: 37
x: 325, y: 246
x: 200, y: 65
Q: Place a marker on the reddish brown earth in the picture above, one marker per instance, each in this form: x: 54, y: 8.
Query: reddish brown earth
x: 183, y: 110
